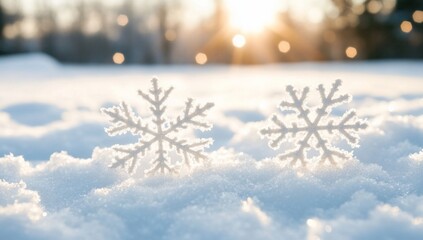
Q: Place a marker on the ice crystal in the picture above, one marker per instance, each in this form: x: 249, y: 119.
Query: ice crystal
x: 160, y: 135
x: 306, y: 131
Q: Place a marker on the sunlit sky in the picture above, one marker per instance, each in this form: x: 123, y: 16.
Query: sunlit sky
x: 244, y: 15
x: 248, y: 15
x: 244, y: 21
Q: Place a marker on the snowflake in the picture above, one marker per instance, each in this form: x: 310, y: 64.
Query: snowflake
x: 308, y: 129
x: 124, y: 120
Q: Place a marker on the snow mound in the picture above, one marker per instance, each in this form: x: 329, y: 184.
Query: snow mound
x: 32, y: 60
x: 234, y: 197
x: 240, y: 193
x: 29, y: 65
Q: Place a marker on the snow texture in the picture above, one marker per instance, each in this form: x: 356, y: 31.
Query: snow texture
x: 309, y: 133
x: 418, y: 157
x: 124, y: 120
x: 49, y: 194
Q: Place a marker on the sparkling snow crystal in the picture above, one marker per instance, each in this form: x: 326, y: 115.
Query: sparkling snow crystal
x: 160, y: 135
x: 310, y: 130
x: 418, y: 157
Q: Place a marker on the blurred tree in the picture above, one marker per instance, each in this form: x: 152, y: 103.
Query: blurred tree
x: 2, y: 23
x: 373, y: 27
x: 89, y: 31
x: 81, y: 43
x: 412, y: 42
x: 49, y: 25
x: 219, y: 35
x: 169, y: 18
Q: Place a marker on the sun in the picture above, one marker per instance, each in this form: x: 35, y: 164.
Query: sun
x: 252, y: 16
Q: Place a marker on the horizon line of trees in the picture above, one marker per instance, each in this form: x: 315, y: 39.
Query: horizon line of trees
x: 148, y: 33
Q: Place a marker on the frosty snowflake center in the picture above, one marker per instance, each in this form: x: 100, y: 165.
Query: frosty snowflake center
x: 124, y: 120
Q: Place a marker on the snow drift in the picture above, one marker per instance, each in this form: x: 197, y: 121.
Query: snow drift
x: 58, y: 184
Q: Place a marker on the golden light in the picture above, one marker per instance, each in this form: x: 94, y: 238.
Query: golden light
x: 201, y: 58
x: 388, y: 6
x: 28, y: 28
x: 406, y: 26
x: 315, y: 15
x: 93, y: 24
x: 418, y: 16
x: 374, y: 6
x: 118, y: 58
x: 122, y: 20
x: 239, y: 41
x: 10, y: 31
x: 329, y: 36
x: 251, y: 16
x: 351, y: 52
x: 358, y: 9
x: 170, y: 35
x: 284, y: 46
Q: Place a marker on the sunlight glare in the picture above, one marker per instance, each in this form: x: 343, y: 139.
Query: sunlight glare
x: 28, y: 28
x: 238, y: 41
x: 250, y: 15
x: 315, y: 15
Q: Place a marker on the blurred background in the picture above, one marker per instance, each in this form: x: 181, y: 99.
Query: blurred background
x: 212, y: 31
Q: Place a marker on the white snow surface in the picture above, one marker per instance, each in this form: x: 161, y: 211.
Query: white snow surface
x: 57, y: 184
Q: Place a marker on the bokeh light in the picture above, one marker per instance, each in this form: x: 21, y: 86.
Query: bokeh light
x: 418, y: 16
x: 406, y: 26
x: 351, y: 52
x: 122, y: 20
x: 201, y: 58
x: 118, y: 58
x: 239, y: 41
x: 228, y: 31
x: 374, y: 6
x: 284, y: 46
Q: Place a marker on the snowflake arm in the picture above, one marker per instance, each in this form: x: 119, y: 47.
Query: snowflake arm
x: 189, y: 117
x: 190, y: 151
x: 312, y: 127
x: 159, y: 97
x: 328, y: 101
x: 281, y: 131
x: 124, y: 120
x: 348, y: 125
x: 297, y: 104
x: 129, y: 155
